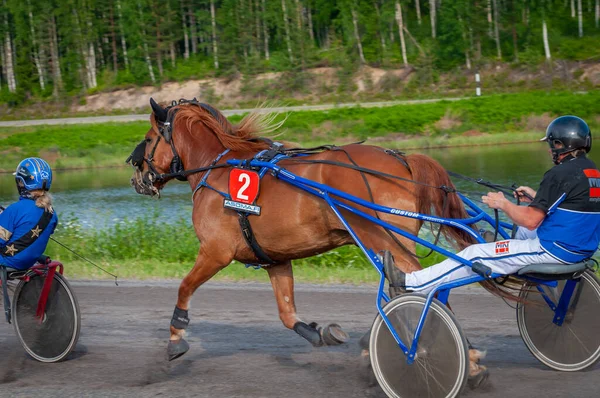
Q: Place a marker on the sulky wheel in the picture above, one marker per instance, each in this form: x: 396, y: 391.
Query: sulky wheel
x: 441, y: 365
x: 572, y: 346
x: 53, y: 337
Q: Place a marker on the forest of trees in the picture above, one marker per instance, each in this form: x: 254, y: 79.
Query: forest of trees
x: 60, y: 47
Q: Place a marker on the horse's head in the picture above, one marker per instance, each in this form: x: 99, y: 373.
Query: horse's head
x: 155, y: 158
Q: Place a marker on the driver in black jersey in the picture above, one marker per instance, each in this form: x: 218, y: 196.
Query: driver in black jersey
x: 560, y: 226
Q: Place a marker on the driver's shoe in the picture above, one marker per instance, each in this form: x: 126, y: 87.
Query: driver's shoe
x: 395, y: 277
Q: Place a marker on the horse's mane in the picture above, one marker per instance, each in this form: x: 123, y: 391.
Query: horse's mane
x: 243, y: 137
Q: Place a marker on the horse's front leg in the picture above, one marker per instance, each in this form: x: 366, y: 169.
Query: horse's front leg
x: 282, y: 280
x: 205, y: 268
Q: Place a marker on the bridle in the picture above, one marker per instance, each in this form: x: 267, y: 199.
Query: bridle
x: 165, y: 128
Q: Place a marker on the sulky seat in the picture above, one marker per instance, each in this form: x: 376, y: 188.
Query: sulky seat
x: 556, y: 271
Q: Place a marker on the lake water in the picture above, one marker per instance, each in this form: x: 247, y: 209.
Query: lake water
x: 98, y: 198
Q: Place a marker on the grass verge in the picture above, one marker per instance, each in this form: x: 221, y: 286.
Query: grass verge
x: 477, y: 121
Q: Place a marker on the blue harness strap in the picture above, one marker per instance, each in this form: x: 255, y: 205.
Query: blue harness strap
x: 203, y: 183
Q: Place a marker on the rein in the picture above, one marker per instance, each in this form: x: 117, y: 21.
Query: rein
x: 502, y: 188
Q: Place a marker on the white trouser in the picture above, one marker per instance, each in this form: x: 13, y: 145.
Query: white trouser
x: 504, y: 257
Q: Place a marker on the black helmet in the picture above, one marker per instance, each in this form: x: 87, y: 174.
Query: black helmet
x: 570, y: 131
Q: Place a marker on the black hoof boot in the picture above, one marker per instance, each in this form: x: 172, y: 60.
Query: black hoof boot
x: 177, y: 348
x: 310, y: 333
x: 333, y: 334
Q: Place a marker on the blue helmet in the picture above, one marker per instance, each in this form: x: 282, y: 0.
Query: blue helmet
x: 31, y: 174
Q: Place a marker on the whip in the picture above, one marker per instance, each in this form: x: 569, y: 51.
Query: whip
x: 89, y: 261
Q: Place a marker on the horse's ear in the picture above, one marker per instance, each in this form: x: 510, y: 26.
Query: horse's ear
x: 159, y: 111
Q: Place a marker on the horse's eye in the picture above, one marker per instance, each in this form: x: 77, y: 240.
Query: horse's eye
x: 148, y: 140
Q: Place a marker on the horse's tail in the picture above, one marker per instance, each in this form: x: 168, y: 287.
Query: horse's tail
x: 426, y: 170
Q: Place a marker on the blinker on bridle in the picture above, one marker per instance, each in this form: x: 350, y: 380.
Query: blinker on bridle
x: 137, y: 157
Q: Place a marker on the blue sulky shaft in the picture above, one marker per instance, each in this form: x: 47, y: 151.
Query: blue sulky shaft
x: 331, y: 195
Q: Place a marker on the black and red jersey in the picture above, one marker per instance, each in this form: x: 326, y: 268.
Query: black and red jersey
x: 570, y: 195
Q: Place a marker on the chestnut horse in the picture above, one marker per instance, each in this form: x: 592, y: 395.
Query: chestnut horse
x: 293, y: 224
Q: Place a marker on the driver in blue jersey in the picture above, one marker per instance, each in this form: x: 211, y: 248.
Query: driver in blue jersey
x: 561, y: 225
x: 26, y: 226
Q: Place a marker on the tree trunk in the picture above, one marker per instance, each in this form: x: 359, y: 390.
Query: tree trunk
x: 514, y: 33
x: 145, y: 46
x: 172, y: 53
x: 580, y: 17
x: 8, y: 56
x: 170, y: 37
x: 265, y: 30
x: 545, y: 38
x: 90, y: 65
x: 194, y: 35
x: 572, y: 8
x: 213, y: 19
x: 242, y: 28
x: 8, y: 64
x: 496, y: 30
x: 257, y: 24
x: 37, y: 59
x: 2, y: 61
x: 54, y: 57
x: 471, y: 41
x: 597, y: 14
x: 418, y: 8
x: 310, y: 25
x: 299, y: 15
x: 464, y: 37
x: 379, y: 33
x: 489, y: 18
x: 357, y: 36
x: 287, y: 30
x: 186, y: 43
x: 300, y: 30
x: 113, y: 36
x: 86, y: 50
x: 400, y: 23
x: 159, y: 48
x: 122, y: 32
x: 91, y: 55
x: 432, y: 5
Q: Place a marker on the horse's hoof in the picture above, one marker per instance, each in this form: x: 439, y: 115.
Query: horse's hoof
x: 479, y: 380
x: 333, y: 334
x: 177, y: 348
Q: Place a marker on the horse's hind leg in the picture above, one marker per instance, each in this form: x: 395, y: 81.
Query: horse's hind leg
x: 282, y: 280
x: 205, y: 268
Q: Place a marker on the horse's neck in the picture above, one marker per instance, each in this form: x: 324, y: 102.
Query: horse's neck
x: 199, y: 153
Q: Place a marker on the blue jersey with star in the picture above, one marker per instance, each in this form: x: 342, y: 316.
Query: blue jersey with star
x: 19, y: 219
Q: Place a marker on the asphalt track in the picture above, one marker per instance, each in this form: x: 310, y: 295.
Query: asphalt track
x: 239, y: 348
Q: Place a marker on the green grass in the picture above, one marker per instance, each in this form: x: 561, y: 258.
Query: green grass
x: 404, y: 126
